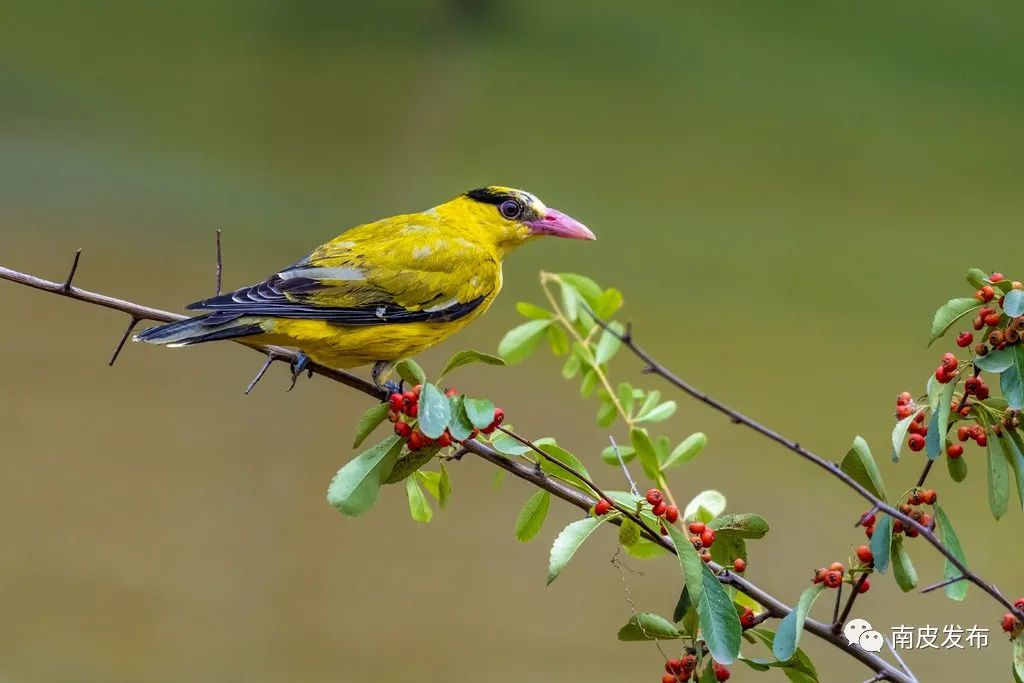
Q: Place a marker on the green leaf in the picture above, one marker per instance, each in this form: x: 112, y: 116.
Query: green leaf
x: 644, y: 448
x: 1018, y: 658
x: 957, y: 468
x: 467, y: 357
x: 354, y: 488
x: 589, y: 289
x: 955, y: 591
x: 648, y: 626
x: 949, y: 313
x: 798, y: 668
x: 646, y: 550
x: 899, y: 434
x: 902, y: 568
x: 410, y: 462
x: 431, y: 482
x: 532, y: 516
x: 651, y: 400
x: 606, y: 414
x: 570, y: 302
x: 568, y: 542
x: 435, y: 411
x: 683, y: 605
x: 977, y: 278
x: 658, y: 413
x: 626, y: 397
x: 935, y: 440
x: 444, y: 487
x: 1011, y: 381
x: 588, y: 384
x: 609, y: 343
x: 558, y: 340
x: 609, y: 302
x: 419, y: 508
x: 996, y: 361
x: 410, y: 371
x: 719, y: 623
x: 880, y: 542
x: 572, y: 366
x: 861, y: 466
x: 998, y: 476
x: 506, y: 445
x: 1015, y: 454
x: 627, y: 453
x: 629, y: 533
x: 459, y: 425
x: 566, y: 458
x: 519, y: 342
x: 1013, y: 303
x: 528, y: 310
x: 787, y: 638
x: 480, y: 411
x: 744, y: 525
x: 687, y: 450
x: 369, y: 422
x: 711, y: 502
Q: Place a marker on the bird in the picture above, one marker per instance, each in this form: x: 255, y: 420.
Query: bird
x: 382, y: 291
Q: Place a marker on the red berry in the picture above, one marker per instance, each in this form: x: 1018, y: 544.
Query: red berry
x: 919, y: 418
x: 869, y: 531
x: 721, y: 673
x: 964, y: 339
x: 410, y: 396
x: 697, y: 528
x: 833, y: 579
x: 748, y: 619
x: 689, y: 663
x: 929, y: 496
x: 982, y: 440
x: 867, y: 519
x: 956, y: 450
x: 1019, y: 604
x: 978, y: 323
x: 985, y: 311
x: 1009, y: 621
x: 916, y: 442
x: 707, y: 537
x: 659, y: 509
x: 904, y: 411
x: 865, y: 586
x: 393, y: 416
x: 416, y: 441
x: 982, y: 391
x: 992, y: 319
x: 986, y: 293
x: 654, y: 496
x: 413, y: 410
x: 995, y: 277
x: 949, y: 362
x: 904, y: 398
x: 942, y: 376
x: 925, y: 521
x: 837, y: 567
x: 396, y: 401
x: 602, y: 507
x: 403, y: 429
x: 499, y: 417
x: 819, y: 574
x: 963, y: 433
x: 864, y: 554
x: 451, y: 392
x: 739, y: 565
x: 669, y: 678
x: 671, y: 514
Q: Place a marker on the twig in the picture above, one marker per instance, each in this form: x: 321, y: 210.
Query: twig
x: 903, y: 665
x: 838, y: 621
x: 942, y: 584
x: 839, y: 601
x: 220, y: 266
x: 66, y: 288
x: 625, y: 470
x: 259, y: 375
x: 124, y: 338
x: 652, y: 366
x: 773, y: 606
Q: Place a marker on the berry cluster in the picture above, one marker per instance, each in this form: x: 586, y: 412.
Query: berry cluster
x: 660, y: 508
x: 1003, y: 331
x: 915, y: 498
x: 684, y: 668
x: 836, y: 573
x: 1011, y: 624
x: 404, y: 410
x: 703, y: 538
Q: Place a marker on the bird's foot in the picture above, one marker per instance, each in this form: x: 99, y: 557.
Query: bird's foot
x: 380, y: 370
x: 300, y: 365
x: 392, y: 387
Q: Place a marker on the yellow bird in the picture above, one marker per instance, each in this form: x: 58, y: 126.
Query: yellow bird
x: 382, y: 291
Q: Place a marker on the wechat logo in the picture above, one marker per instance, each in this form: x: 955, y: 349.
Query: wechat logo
x: 859, y: 632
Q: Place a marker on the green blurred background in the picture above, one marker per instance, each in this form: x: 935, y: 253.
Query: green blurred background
x: 784, y: 191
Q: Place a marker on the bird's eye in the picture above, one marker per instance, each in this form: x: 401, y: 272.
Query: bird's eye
x: 510, y: 209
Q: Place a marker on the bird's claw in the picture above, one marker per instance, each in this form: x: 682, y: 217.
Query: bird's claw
x: 392, y: 387
x: 300, y: 365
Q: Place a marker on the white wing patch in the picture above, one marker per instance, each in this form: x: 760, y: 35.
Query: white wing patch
x: 422, y: 252
x: 340, y: 273
x: 443, y: 305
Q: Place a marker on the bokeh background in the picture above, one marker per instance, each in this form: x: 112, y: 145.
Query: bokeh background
x: 784, y: 191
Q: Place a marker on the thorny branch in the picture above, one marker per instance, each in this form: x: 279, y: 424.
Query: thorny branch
x: 527, y: 472
x: 654, y: 367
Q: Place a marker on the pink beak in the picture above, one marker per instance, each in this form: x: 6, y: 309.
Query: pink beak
x: 558, y: 224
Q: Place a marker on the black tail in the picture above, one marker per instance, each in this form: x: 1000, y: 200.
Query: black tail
x: 199, y: 330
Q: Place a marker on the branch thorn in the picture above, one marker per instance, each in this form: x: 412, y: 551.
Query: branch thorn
x: 71, y: 274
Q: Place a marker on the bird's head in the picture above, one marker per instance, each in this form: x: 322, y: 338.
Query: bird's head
x: 511, y: 217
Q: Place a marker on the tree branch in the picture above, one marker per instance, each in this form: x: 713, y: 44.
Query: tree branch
x: 531, y: 474
x: 652, y: 366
